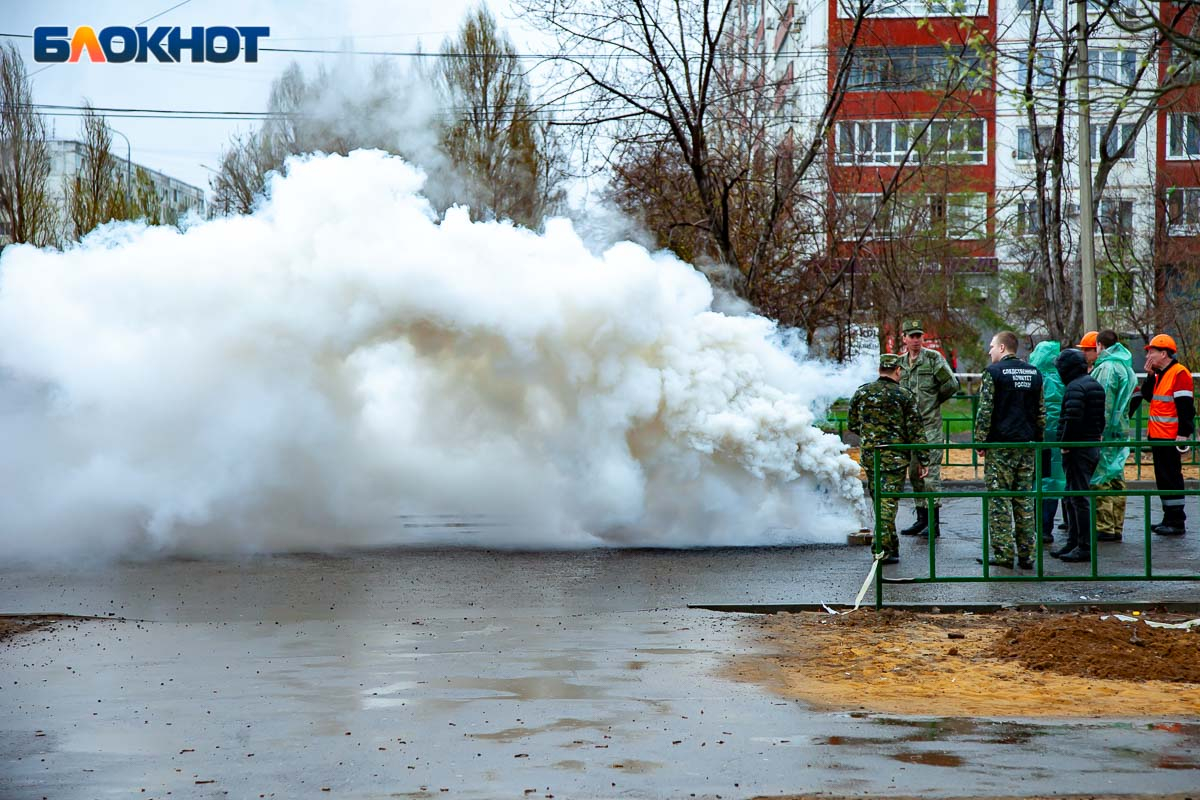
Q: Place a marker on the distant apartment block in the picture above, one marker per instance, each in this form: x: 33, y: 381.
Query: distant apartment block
x: 920, y: 100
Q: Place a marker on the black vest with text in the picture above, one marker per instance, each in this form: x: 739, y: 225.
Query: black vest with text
x: 1017, y: 400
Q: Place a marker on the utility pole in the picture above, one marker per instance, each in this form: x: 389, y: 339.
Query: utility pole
x: 1087, y: 240
x: 129, y: 163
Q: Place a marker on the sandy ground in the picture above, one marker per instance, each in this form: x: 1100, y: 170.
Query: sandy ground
x: 12, y: 627
x: 968, y: 665
x: 997, y: 797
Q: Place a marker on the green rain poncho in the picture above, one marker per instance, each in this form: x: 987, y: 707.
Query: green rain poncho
x: 1114, y: 370
x: 1043, y: 357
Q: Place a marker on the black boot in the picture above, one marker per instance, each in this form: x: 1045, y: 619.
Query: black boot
x: 1173, y: 524
x: 1080, y: 553
x: 920, y: 525
x: 1068, y: 546
x: 935, y: 521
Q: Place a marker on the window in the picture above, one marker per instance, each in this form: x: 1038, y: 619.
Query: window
x: 1025, y: 6
x: 962, y: 215
x: 886, y: 141
x: 958, y: 141
x: 1115, y: 216
x: 1027, y: 148
x: 916, y: 9
x: 1183, y: 135
x: 1183, y: 67
x: 863, y: 208
x: 1029, y: 222
x: 1046, y: 70
x: 1121, y: 133
x: 1115, y: 290
x: 1183, y: 211
x: 912, y: 68
x: 1125, y: 7
x: 1109, y: 67
x: 873, y: 142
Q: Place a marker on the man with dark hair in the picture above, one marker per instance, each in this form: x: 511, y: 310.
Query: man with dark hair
x: 1081, y: 420
x: 1010, y: 410
x: 1168, y: 390
x: 883, y: 412
x: 1113, y: 370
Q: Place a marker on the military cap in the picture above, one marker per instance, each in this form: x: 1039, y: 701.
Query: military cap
x: 913, y: 326
x: 889, y: 361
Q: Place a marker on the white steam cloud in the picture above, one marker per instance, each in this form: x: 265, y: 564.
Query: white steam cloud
x: 342, y: 369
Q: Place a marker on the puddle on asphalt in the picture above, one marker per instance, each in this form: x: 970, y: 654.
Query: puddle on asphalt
x: 667, y: 651
x: 632, y: 765
x: 929, y: 759
x: 564, y: 663
x: 567, y: 724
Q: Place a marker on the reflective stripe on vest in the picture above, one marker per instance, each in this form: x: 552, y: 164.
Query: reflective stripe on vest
x: 1163, y: 420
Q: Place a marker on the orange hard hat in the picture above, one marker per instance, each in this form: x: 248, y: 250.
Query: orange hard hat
x: 1162, y: 342
x: 1088, y: 342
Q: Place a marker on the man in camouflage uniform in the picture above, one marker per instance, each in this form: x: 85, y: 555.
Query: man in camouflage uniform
x: 926, y: 374
x: 1011, y: 409
x: 882, y: 412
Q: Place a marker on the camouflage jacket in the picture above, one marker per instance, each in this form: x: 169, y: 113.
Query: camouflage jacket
x: 883, y: 412
x: 931, y: 381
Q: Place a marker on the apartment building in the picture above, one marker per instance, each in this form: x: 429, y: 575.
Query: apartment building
x: 933, y: 162
x: 176, y: 198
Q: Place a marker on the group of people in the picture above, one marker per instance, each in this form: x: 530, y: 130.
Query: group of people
x: 1077, y: 396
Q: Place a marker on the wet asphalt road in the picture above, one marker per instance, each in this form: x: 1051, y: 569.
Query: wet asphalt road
x: 465, y: 673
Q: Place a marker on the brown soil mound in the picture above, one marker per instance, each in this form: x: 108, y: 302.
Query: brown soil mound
x: 1104, y: 648
x: 11, y: 627
x: 952, y: 664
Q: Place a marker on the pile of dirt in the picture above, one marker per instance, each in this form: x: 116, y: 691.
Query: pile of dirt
x: 1092, y: 647
x: 972, y: 664
x: 12, y: 626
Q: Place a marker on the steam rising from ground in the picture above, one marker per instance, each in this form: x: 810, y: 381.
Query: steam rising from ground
x: 341, y: 363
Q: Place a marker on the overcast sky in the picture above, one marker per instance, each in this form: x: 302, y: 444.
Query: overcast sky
x: 187, y: 148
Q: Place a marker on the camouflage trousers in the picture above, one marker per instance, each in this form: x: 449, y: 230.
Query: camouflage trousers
x: 891, y: 479
x: 1110, y: 511
x: 933, y: 481
x: 1010, y: 518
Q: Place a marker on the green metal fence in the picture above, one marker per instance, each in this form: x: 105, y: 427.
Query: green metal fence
x: 1093, y: 574
x: 835, y: 422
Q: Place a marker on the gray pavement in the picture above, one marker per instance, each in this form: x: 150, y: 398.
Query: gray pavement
x: 470, y: 673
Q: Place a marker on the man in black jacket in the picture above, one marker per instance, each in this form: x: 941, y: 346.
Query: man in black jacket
x: 1081, y: 420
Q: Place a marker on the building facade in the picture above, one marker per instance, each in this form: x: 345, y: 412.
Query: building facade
x: 954, y: 150
x: 176, y: 198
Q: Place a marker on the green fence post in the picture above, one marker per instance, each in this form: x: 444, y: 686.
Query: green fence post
x: 878, y: 546
x: 1040, y: 447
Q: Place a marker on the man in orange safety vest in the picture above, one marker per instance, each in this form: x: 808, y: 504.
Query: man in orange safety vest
x: 1168, y: 390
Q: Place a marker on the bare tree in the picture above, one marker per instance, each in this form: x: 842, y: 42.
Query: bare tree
x: 27, y: 207
x: 491, y: 132
x: 92, y: 194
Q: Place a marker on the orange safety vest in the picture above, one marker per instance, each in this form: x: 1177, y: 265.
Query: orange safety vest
x: 1176, y: 381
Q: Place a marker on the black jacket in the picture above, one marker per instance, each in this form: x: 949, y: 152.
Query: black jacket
x: 1016, y: 414
x: 1082, y: 415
